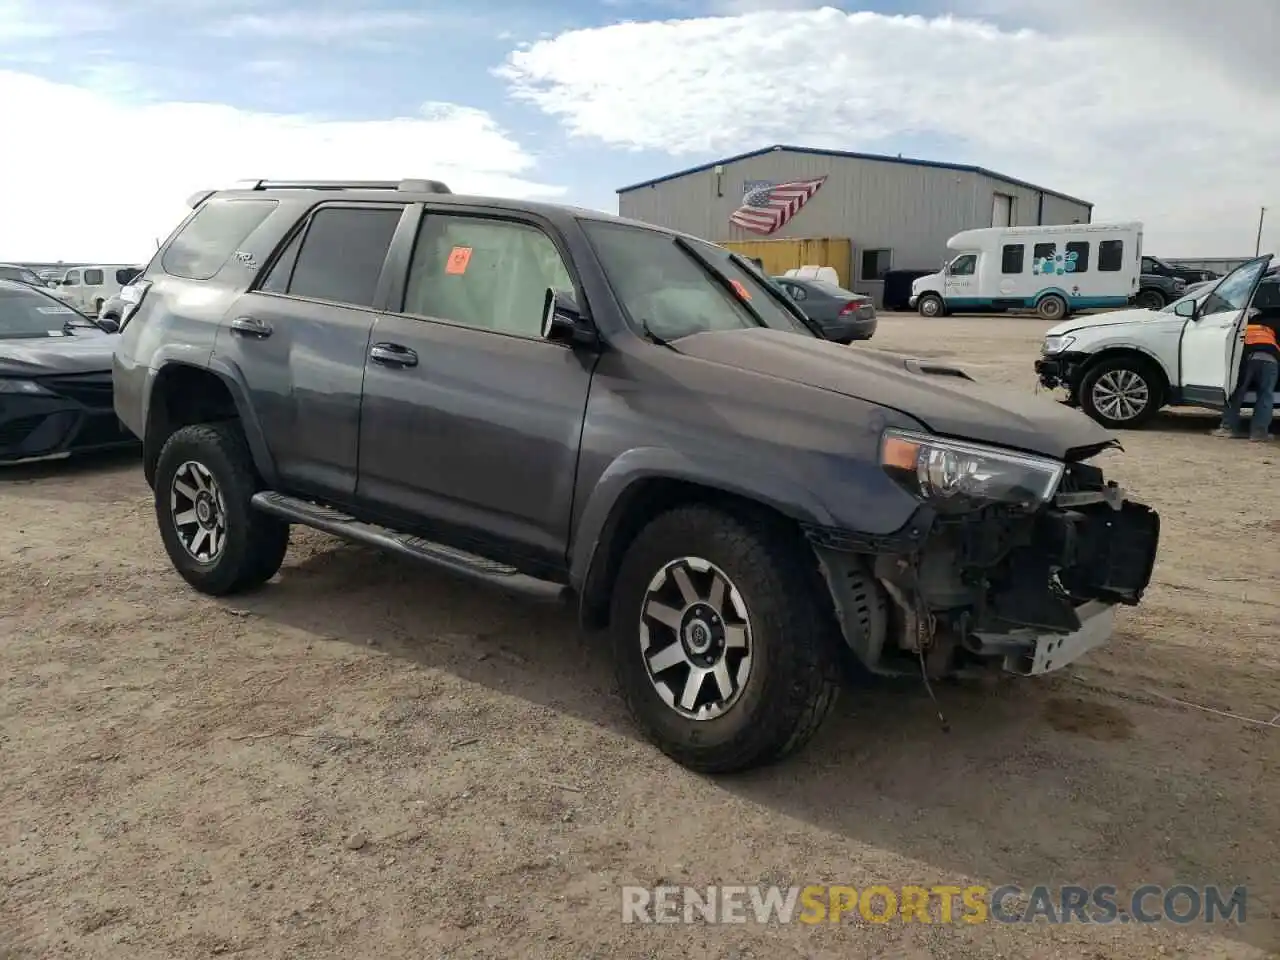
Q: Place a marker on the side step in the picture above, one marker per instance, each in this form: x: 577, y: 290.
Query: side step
x: 448, y: 558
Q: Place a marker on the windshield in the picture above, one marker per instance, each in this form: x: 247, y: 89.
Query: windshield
x: 21, y: 274
x: 668, y: 292
x: 27, y: 313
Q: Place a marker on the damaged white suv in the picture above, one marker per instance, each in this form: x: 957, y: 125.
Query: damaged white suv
x: 1121, y: 368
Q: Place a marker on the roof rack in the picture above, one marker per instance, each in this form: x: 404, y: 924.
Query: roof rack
x: 404, y: 186
x: 410, y: 186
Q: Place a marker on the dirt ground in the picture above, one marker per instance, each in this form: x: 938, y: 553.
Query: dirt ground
x: 369, y: 759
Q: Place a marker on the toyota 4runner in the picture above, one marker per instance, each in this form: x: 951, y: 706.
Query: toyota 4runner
x: 633, y: 420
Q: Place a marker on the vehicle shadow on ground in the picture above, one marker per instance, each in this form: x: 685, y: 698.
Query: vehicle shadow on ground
x: 883, y: 772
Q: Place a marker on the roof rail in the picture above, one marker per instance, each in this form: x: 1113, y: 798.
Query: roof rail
x: 414, y: 186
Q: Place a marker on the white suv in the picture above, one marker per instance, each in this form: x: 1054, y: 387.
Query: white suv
x: 1122, y: 367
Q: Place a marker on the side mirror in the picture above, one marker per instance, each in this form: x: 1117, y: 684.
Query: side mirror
x: 1186, y: 308
x: 109, y: 324
x: 563, y: 322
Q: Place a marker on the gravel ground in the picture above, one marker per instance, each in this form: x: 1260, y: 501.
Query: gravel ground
x: 368, y: 759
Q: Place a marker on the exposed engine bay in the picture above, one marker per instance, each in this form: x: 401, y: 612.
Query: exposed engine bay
x: 1023, y: 591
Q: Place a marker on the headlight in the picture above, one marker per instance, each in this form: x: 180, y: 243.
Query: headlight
x: 1056, y: 344
x: 956, y: 476
x: 23, y: 386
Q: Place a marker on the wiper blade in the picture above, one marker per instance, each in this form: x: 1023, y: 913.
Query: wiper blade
x: 653, y: 337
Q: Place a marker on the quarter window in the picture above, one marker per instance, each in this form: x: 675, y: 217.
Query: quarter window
x: 483, y: 273
x: 209, y: 238
x: 1011, y: 258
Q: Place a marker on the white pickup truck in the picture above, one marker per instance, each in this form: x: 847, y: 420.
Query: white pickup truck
x: 1121, y: 368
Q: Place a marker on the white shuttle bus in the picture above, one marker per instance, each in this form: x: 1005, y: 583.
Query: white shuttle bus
x: 1053, y: 270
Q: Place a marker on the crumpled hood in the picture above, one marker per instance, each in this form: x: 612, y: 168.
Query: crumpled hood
x: 940, y: 396
x: 85, y: 351
x: 1110, y: 319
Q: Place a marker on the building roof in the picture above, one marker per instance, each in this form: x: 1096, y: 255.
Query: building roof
x: 850, y: 155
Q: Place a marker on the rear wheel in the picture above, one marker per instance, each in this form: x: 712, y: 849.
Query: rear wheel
x: 215, y: 539
x: 1122, y: 392
x: 724, y: 653
x: 930, y: 305
x: 1149, y: 300
x: 1051, y: 307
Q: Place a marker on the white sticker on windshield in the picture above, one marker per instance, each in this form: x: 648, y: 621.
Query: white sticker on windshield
x: 56, y: 309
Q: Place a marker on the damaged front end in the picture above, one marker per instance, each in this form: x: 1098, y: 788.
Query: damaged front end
x: 1013, y: 561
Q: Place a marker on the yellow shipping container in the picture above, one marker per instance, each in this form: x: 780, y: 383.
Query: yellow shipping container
x: 779, y: 256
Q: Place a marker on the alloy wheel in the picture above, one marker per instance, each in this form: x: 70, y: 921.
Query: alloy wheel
x: 199, y: 512
x: 695, y: 637
x: 1121, y: 394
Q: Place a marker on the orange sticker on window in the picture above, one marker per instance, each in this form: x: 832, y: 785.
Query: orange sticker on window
x: 459, y: 257
x: 740, y: 290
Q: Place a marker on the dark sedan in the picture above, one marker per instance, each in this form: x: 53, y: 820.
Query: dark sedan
x: 55, y: 379
x: 843, y: 315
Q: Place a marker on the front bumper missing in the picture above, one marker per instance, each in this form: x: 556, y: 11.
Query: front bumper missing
x: 1029, y: 594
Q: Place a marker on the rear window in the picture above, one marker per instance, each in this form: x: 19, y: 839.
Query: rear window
x: 833, y: 290
x: 664, y: 288
x: 209, y: 238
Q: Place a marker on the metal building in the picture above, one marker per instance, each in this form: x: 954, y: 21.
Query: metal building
x: 884, y: 212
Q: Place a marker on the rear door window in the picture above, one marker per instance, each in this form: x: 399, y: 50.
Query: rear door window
x: 339, y: 257
x: 93, y: 277
x: 209, y: 238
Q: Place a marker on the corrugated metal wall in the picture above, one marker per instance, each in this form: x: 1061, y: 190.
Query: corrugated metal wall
x: 909, y: 209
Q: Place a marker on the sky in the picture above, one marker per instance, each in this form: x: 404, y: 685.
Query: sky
x: 112, y: 113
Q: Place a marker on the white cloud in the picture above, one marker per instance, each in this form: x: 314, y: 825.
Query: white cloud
x: 1147, y: 130
x: 107, y: 186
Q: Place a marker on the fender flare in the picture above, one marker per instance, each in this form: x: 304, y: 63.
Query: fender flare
x: 233, y: 379
x: 610, y: 493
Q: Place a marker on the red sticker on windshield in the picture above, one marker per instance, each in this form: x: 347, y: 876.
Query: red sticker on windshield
x: 740, y: 290
x: 459, y: 257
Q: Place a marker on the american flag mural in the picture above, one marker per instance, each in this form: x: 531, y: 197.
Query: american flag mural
x: 766, y: 207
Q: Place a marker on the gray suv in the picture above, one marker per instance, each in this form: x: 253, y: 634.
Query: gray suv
x: 621, y: 417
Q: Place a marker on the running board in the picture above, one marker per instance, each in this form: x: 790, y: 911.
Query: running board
x: 453, y: 560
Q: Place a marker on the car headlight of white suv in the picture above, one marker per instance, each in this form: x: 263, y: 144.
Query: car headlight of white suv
x: 1056, y: 344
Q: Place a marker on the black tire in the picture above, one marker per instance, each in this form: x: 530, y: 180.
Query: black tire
x: 254, y: 544
x: 1119, y: 372
x: 1149, y: 300
x: 931, y: 305
x: 1052, y: 308
x: 794, y: 676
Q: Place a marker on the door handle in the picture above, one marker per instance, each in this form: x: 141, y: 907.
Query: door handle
x: 393, y: 355
x: 251, y: 326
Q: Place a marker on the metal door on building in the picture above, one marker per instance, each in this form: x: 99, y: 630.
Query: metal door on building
x: 1002, y: 210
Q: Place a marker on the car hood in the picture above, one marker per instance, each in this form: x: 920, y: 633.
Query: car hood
x: 82, y: 352
x: 1114, y: 318
x: 938, y: 395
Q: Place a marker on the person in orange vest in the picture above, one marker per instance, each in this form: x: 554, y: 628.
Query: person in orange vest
x: 1258, y: 369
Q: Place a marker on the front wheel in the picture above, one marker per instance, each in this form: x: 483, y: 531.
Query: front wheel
x: 724, y: 652
x: 215, y: 539
x: 1121, y: 393
x: 930, y: 305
